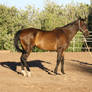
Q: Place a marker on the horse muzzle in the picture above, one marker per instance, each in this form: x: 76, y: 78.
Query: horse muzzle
x: 86, y: 33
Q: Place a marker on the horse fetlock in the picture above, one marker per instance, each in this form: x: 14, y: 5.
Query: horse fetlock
x: 55, y: 71
x: 24, y: 73
x: 62, y: 71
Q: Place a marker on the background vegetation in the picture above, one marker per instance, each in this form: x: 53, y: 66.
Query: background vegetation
x: 53, y: 15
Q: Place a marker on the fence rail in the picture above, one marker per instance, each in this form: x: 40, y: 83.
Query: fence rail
x: 78, y: 44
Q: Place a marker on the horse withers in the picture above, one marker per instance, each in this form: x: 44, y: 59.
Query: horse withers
x: 57, y: 40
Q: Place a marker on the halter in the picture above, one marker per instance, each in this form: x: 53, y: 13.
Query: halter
x: 81, y: 28
x: 85, y: 39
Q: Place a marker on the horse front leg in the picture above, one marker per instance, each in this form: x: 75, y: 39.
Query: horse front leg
x: 62, y: 64
x: 58, y: 60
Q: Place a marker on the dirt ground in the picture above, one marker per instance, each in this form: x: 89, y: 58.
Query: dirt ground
x: 78, y: 69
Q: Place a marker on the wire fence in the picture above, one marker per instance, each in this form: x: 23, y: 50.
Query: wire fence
x: 78, y: 44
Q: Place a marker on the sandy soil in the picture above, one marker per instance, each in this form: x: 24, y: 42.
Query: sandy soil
x: 78, y: 69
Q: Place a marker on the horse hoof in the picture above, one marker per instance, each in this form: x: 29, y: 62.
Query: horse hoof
x: 23, y: 73
x: 63, y: 72
x: 28, y: 74
x: 55, y: 73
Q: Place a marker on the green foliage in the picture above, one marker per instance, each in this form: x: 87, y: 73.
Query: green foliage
x: 53, y: 15
x: 35, y: 49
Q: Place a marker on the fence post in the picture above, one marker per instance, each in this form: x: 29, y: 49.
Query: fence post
x: 74, y: 44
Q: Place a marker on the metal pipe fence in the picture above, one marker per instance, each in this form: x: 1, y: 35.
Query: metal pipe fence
x: 78, y: 44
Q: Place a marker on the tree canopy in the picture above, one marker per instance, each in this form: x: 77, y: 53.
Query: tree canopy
x: 53, y: 15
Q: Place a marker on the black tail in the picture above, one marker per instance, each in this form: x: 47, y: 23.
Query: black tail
x: 16, y: 39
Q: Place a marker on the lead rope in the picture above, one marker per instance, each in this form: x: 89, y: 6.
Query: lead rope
x: 85, y: 41
x: 87, y: 46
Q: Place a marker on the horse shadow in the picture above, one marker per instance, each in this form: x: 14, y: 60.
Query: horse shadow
x: 34, y: 63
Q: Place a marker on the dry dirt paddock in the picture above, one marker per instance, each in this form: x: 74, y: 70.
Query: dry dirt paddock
x: 78, y: 69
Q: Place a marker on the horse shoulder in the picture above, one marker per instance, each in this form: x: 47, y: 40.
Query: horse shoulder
x: 62, y: 40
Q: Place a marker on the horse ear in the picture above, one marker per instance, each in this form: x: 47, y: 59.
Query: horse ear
x: 79, y: 18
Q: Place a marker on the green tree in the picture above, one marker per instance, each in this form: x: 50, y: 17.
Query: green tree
x: 52, y: 16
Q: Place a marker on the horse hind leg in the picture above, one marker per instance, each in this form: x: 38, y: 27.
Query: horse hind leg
x: 24, y: 63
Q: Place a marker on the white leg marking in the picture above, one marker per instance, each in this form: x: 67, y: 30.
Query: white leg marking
x: 23, y: 72
x: 28, y: 74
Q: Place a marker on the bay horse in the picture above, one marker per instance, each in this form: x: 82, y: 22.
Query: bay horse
x: 56, y: 40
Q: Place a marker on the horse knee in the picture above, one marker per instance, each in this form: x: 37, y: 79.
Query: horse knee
x: 23, y: 57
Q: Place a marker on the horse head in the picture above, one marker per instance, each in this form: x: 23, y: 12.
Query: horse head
x: 83, y: 26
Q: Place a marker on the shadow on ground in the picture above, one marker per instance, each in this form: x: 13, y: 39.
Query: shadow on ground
x: 78, y: 65
x: 83, y: 66
x: 35, y: 63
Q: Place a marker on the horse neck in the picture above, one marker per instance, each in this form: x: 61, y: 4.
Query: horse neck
x: 71, y: 30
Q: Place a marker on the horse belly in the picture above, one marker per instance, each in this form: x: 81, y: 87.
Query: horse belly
x: 46, y: 44
x: 46, y: 41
